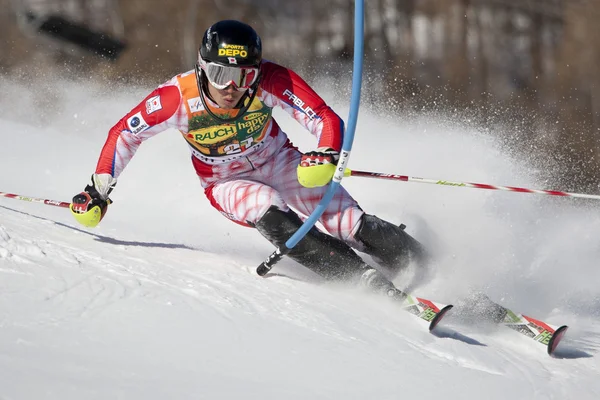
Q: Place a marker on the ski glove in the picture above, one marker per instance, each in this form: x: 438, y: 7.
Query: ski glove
x: 89, y: 206
x: 317, y: 167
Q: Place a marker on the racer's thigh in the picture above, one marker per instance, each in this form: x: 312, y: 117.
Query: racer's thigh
x: 342, y: 216
x: 243, y: 200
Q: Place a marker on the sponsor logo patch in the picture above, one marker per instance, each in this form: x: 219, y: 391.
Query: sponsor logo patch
x: 233, y: 50
x: 213, y: 135
x: 253, y: 122
x: 299, y: 104
x: 153, y: 104
x: 137, y: 124
x: 195, y: 104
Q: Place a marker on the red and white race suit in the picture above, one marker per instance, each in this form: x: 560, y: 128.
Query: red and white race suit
x: 247, y: 165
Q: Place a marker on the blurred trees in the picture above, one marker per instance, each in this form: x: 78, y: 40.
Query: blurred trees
x: 530, y: 66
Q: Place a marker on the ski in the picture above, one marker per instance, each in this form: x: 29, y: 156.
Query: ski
x: 481, y: 307
x: 427, y: 310
x: 539, y: 331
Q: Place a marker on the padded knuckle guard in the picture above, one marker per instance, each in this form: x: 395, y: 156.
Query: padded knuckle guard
x: 317, y: 168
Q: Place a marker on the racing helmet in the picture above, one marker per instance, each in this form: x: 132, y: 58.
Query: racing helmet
x: 230, y: 54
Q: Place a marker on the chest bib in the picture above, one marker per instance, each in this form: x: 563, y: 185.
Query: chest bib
x: 217, y: 139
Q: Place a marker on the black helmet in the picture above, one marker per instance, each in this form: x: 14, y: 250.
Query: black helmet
x: 231, y: 43
x: 230, y: 54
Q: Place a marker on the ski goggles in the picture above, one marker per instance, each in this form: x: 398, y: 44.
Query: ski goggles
x: 222, y: 76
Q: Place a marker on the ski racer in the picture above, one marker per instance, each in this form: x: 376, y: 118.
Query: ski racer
x: 249, y: 170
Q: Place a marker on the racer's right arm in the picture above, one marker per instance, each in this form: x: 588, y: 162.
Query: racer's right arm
x: 159, y: 111
x: 156, y: 113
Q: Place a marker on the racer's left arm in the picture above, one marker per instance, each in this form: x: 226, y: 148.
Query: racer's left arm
x: 288, y: 90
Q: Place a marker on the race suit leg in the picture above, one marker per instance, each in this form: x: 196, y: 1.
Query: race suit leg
x: 261, y: 198
x: 388, y: 244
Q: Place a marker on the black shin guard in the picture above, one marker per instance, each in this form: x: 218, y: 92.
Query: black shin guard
x: 389, y: 244
x: 324, y: 254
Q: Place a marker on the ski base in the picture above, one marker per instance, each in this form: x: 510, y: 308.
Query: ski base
x: 556, y: 338
x: 438, y: 317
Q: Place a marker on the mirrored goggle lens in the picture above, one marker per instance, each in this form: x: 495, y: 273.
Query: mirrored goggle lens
x: 221, y: 76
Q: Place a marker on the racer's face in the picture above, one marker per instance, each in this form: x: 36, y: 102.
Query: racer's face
x: 225, y: 98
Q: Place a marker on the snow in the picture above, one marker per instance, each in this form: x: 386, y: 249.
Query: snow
x: 161, y: 299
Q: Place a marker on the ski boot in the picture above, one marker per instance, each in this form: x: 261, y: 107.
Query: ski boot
x: 323, y: 254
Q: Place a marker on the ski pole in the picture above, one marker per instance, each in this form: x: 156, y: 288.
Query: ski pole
x: 36, y: 200
x: 405, y: 178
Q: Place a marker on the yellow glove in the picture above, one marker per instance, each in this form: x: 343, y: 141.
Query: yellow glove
x: 89, y: 206
x: 316, y: 168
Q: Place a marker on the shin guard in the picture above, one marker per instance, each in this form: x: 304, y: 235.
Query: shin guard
x: 324, y: 254
x: 389, y: 244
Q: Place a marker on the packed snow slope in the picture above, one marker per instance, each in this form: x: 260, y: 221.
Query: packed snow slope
x: 161, y: 300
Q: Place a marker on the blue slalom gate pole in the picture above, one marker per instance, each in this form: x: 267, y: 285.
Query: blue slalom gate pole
x: 335, y: 183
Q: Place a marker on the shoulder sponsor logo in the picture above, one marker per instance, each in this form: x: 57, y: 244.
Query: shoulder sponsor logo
x: 195, y: 104
x: 299, y: 104
x: 153, y: 104
x: 137, y: 124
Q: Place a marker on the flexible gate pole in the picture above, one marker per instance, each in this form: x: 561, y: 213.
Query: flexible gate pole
x: 266, y: 265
